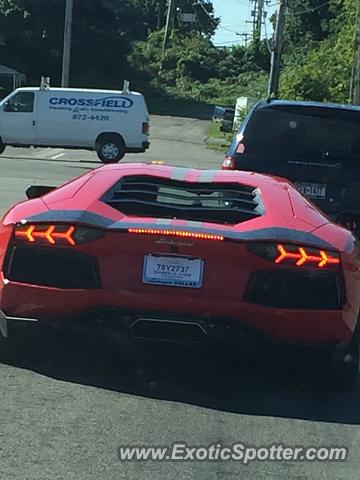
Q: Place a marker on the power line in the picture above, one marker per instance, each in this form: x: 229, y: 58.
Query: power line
x: 269, y: 47
x: 215, y: 21
x: 228, y: 30
x: 227, y: 43
x: 310, y: 9
x: 207, y: 13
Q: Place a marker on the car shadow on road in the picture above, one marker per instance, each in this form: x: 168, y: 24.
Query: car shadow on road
x: 259, y: 386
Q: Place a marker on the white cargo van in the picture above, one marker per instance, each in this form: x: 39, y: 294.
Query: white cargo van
x: 108, y: 121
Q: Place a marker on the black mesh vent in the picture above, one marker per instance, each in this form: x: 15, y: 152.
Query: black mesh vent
x: 296, y: 290
x: 52, y: 268
x: 205, y: 202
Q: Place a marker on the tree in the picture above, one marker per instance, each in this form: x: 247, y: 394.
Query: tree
x: 307, y: 21
x: 206, y: 22
x: 102, y: 36
x: 323, y: 71
x: 7, y: 6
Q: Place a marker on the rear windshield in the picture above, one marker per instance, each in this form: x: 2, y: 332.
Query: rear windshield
x: 304, y: 133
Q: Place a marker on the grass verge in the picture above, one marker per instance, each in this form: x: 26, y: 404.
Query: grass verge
x: 218, y: 140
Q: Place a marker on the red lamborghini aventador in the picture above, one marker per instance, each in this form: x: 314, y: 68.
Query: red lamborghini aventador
x: 179, y: 254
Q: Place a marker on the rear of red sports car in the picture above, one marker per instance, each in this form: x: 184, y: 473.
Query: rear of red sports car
x: 182, y: 255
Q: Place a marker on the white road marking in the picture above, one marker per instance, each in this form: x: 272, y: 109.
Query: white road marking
x: 59, y: 155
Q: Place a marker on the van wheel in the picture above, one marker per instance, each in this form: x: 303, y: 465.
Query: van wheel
x: 110, y: 149
x: 2, y: 148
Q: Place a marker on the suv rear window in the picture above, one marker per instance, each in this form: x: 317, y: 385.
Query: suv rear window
x: 301, y: 132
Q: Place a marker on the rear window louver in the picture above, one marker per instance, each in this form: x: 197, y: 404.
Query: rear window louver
x: 148, y: 196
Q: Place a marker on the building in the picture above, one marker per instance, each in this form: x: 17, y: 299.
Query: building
x: 9, y: 80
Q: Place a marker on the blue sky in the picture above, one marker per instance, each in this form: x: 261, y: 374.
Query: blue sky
x: 234, y: 14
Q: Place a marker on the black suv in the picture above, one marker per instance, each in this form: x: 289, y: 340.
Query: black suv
x: 315, y: 145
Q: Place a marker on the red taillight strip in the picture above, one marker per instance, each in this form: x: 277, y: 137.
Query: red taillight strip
x: 284, y: 254
x: 30, y: 234
x: 303, y: 257
x: 47, y: 235
x: 66, y: 235
x: 176, y: 233
x: 27, y: 234
x: 328, y: 260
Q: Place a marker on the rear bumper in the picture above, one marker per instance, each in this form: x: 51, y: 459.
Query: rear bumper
x: 145, y: 146
x: 204, y: 334
x: 122, y: 308
x: 5, y: 320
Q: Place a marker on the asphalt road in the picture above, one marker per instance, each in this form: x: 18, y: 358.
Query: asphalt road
x: 175, y: 141
x: 65, y: 409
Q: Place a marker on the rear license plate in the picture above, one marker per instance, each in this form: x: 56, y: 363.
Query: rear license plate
x: 312, y: 190
x: 173, y: 271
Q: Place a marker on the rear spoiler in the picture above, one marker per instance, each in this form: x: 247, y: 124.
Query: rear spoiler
x: 36, y: 191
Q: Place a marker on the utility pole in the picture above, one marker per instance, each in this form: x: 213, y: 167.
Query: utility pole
x: 160, y: 10
x: 67, y: 43
x: 277, y: 51
x: 246, y: 37
x: 355, y: 76
x: 254, y: 17
x: 259, y: 20
x: 166, y: 34
x: 258, y: 15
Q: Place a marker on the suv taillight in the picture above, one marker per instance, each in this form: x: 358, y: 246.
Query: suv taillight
x: 145, y: 128
x: 229, y: 163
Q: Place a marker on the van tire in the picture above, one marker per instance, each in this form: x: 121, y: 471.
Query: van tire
x: 2, y: 147
x: 110, y: 148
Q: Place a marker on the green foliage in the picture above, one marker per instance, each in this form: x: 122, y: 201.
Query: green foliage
x: 104, y: 33
x: 194, y: 69
x: 307, y: 22
x: 7, y: 6
x: 218, y: 140
x: 206, y: 23
x: 323, y: 70
x: 223, y: 92
x: 113, y: 40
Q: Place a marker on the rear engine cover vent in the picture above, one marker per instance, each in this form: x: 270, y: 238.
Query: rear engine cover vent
x: 148, y: 196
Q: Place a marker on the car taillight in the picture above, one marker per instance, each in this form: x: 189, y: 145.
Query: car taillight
x: 295, y: 255
x: 176, y: 233
x: 56, y: 234
x: 229, y: 163
x: 145, y: 128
